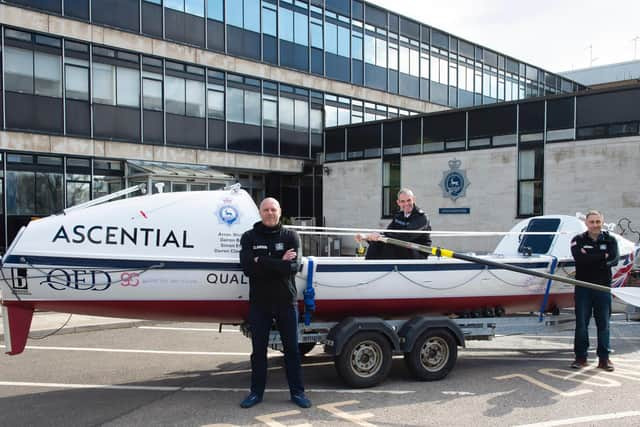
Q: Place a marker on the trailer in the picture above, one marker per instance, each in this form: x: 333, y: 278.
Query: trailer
x: 363, y: 347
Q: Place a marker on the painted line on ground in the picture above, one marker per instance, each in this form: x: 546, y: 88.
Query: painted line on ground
x: 190, y: 389
x: 169, y: 328
x: 587, y: 419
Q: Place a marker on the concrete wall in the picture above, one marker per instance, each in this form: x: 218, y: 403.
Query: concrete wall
x: 579, y: 175
x: 602, y: 174
x: 490, y: 194
x: 352, y: 197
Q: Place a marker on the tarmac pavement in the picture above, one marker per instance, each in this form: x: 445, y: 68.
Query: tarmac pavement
x: 45, y: 323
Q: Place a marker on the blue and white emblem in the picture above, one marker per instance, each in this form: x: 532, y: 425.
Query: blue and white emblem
x: 454, y: 181
x: 228, y: 214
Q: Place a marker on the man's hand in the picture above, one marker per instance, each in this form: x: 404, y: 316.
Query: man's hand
x: 583, y: 251
x: 289, y: 255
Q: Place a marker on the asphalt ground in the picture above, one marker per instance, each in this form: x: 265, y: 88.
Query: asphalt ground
x: 191, y: 375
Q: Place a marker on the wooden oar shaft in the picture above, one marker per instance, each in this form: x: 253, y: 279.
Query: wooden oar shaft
x: 451, y: 254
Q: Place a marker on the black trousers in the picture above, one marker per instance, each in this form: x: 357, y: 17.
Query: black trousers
x: 260, y: 320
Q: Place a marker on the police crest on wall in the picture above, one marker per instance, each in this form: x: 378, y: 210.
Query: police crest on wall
x: 454, y: 181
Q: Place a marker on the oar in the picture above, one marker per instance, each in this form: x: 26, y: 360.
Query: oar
x: 629, y: 295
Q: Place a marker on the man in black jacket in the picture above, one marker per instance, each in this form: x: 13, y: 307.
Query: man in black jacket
x: 595, y: 252
x: 409, y: 217
x: 269, y: 258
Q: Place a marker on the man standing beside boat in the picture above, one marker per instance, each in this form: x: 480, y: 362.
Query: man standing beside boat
x: 269, y: 257
x: 595, y: 252
x: 409, y: 217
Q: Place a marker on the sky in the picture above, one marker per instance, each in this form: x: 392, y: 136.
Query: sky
x: 555, y: 35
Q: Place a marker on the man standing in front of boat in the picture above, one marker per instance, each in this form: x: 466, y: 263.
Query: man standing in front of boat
x: 409, y: 217
x: 269, y: 257
x: 595, y: 252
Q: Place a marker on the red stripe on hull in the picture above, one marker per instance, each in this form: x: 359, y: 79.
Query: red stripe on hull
x: 326, y: 310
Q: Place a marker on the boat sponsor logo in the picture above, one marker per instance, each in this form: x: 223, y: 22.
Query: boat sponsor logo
x: 279, y: 246
x: 77, y: 280
x: 20, y: 286
x: 220, y: 278
x: 227, y: 213
x: 122, y: 236
x: 129, y: 278
x: 454, y: 181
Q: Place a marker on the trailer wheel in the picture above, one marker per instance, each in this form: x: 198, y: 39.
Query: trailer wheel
x: 433, y: 356
x: 365, y: 360
x: 305, y: 347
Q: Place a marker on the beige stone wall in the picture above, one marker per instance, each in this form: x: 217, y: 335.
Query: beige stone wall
x: 40, y: 22
x: 579, y: 175
x: 602, y: 174
x: 491, y: 194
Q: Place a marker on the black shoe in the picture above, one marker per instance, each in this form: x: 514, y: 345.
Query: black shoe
x: 579, y: 363
x: 301, y: 400
x: 606, y: 365
x: 251, y: 400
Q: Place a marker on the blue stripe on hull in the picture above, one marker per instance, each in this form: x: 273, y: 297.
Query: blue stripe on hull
x: 351, y: 268
x: 120, y: 263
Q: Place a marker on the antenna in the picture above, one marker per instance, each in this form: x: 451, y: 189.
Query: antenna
x: 635, y: 46
x: 591, y: 58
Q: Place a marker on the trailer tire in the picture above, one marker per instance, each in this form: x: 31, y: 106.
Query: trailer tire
x: 433, y: 355
x: 365, y: 360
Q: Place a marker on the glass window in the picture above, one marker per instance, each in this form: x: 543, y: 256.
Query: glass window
x: 286, y: 24
x: 152, y: 92
x: 18, y: 69
x: 215, y: 10
x: 286, y: 113
x: 270, y: 110
x: 381, y: 53
x: 404, y: 60
x: 128, y: 87
x: 174, y: 4
x: 316, y: 33
x: 104, y: 81
x: 301, y: 115
x: 48, y: 74
x: 194, y: 98
x: 174, y: 89
x: 331, y: 38
x: 301, y: 27
x: 78, y: 192
x: 315, y: 120
x: 414, y: 62
x: 343, y: 41
x: 369, y: 49
x: 252, y: 107
x: 251, y: 15
x: 356, y: 46
x: 269, y: 20
x: 390, y: 185
x: 76, y: 82
x: 235, y: 105
x: 234, y: 13
x: 215, y: 100
x: 194, y: 7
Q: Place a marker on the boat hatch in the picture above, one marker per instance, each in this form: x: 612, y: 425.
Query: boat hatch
x: 539, y: 243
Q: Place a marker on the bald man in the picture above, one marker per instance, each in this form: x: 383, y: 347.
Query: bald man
x: 269, y: 257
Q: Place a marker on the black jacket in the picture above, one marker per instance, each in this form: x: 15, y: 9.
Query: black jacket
x: 271, y: 280
x: 593, y: 266
x: 417, y: 220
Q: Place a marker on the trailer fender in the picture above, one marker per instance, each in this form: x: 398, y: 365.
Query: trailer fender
x: 340, y: 334
x: 411, y: 330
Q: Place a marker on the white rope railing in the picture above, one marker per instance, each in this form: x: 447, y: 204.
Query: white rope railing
x: 345, y: 231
